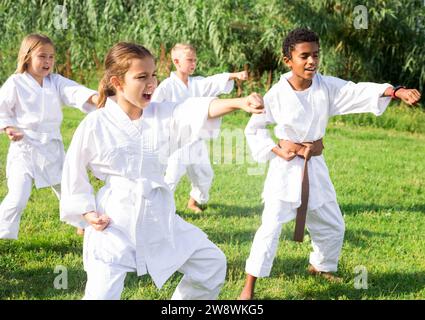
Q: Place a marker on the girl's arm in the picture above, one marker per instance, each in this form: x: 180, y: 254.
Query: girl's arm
x: 77, y: 195
x: 258, y: 136
x: 8, y: 100
x: 75, y: 95
x: 252, y: 104
x: 200, y: 118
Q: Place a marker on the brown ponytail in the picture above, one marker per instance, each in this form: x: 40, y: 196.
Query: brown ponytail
x: 117, y: 63
x: 105, y: 90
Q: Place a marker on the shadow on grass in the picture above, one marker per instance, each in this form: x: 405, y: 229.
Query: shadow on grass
x: 353, y: 209
x: 22, y: 246
x: 391, y: 285
x: 38, y: 283
x: 222, y: 210
x: 21, y: 276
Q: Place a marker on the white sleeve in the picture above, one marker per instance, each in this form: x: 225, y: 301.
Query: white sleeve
x: 348, y: 97
x: 190, y: 122
x: 77, y: 195
x: 258, y: 136
x: 8, y: 99
x: 74, y: 94
x: 215, y: 85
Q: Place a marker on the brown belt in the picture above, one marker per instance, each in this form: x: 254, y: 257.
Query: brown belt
x: 304, y: 150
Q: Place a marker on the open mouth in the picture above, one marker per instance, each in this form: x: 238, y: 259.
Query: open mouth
x: 147, y: 96
x: 310, y: 69
x: 46, y: 68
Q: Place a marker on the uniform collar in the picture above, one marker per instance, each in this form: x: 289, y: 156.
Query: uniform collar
x: 122, y: 119
x: 176, y: 79
x: 34, y: 84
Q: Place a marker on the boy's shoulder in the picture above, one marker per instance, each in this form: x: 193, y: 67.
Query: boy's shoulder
x: 166, y: 82
x: 196, y: 78
x: 277, y: 87
x: 323, y: 81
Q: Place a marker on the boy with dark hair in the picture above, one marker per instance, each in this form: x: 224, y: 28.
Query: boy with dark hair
x: 298, y: 181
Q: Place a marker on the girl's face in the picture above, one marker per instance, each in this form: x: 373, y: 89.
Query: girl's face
x: 138, y: 84
x: 42, y: 61
x: 304, y: 61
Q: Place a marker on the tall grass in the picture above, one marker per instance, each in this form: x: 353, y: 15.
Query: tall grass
x: 229, y: 34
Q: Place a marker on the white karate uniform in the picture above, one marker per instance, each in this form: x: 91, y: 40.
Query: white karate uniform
x: 192, y: 159
x: 144, y: 235
x: 37, y: 112
x: 301, y: 117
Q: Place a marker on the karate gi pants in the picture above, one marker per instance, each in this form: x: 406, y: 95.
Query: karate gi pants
x: 196, y: 163
x: 12, y: 206
x: 325, y: 225
x: 203, y: 276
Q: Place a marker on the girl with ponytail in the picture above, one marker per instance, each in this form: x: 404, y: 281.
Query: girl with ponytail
x: 131, y: 222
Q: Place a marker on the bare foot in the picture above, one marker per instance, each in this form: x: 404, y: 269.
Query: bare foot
x: 192, y: 205
x: 80, y: 231
x: 327, y: 275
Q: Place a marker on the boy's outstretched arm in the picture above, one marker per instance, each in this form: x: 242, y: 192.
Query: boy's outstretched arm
x: 409, y: 96
x: 243, y: 75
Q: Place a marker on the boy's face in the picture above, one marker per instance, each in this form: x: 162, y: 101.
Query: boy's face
x: 186, y: 62
x: 305, y: 60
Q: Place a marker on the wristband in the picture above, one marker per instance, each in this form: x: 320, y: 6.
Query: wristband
x: 395, y: 89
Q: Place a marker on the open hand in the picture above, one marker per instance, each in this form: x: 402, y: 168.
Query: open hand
x: 13, y: 133
x: 98, y: 222
x: 253, y: 103
x: 409, y: 96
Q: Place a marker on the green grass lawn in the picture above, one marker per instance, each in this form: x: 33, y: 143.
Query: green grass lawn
x: 379, y: 178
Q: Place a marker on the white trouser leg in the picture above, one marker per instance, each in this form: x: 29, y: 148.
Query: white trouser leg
x: 200, y: 172
x: 57, y: 190
x: 326, y: 227
x: 204, y: 274
x: 105, y: 281
x: 266, y: 240
x: 14, y: 203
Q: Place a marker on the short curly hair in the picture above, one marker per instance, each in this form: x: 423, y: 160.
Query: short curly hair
x: 296, y: 36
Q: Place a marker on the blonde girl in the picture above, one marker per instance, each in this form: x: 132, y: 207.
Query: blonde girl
x: 31, y: 116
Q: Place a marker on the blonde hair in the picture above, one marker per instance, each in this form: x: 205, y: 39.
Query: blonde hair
x: 117, y: 62
x: 180, y: 48
x: 30, y: 43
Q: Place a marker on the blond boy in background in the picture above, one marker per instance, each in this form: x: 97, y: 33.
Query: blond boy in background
x: 192, y: 159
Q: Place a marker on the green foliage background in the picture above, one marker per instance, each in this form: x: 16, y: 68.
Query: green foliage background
x: 229, y: 34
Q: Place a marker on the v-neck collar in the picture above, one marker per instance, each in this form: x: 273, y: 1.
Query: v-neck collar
x: 35, y: 83
x: 301, y: 118
x: 122, y: 118
x: 176, y: 78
